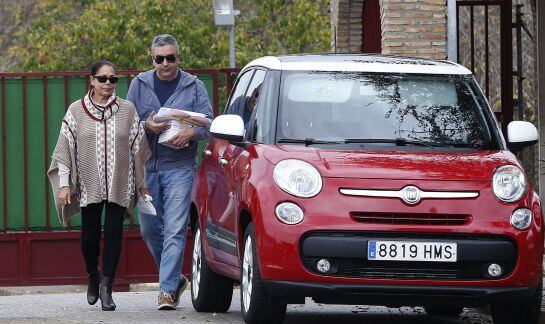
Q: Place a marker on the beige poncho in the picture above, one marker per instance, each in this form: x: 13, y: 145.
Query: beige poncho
x: 105, y: 150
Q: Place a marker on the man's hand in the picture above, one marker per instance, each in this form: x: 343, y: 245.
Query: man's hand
x: 153, y: 127
x: 64, y: 196
x: 184, y: 136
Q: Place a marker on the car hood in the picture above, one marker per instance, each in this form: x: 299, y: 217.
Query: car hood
x: 378, y: 164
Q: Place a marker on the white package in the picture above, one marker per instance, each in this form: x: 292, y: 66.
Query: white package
x: 145, y: 206
x: 189, y: 117
x: 164, y: 137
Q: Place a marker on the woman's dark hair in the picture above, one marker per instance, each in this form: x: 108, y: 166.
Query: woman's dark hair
x: 98, y: 64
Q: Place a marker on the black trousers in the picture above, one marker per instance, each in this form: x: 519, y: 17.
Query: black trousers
x: 90, y: 236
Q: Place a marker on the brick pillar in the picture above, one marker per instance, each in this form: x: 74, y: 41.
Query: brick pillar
x: 414, y: 28
x: 347, y: 16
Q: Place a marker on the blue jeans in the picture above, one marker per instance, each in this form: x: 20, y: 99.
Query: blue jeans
x: 165, y: 234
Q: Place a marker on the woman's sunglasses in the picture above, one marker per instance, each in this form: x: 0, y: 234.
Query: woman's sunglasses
x: 103, y: 78
x: 171, y: 58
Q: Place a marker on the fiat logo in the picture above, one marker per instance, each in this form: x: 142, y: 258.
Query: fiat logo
x: 411, y: 195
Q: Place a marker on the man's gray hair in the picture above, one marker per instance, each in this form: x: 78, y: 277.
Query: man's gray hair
x: 164, y: 39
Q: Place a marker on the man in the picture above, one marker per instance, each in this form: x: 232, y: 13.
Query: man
x: 170, y: 171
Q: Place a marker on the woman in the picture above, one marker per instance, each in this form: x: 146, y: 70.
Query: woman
x: 99, y: 161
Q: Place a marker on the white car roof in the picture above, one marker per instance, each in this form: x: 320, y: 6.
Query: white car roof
x: 358, y: 63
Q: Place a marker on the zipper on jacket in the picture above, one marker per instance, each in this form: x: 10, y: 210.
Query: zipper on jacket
x: 156, y: 152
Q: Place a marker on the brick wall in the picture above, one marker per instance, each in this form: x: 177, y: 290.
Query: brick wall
x: 414, y: 28
x: 346, y: 15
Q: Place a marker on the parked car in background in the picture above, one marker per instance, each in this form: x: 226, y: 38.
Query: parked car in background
x: 365, y: 180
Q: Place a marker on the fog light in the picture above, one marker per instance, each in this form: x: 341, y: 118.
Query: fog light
x: 494, y: 270
x: 323, y: 265
x: 289, y: 213
x: 521, y: 218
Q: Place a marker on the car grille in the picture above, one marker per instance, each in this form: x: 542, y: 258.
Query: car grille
x: 403, y: 270
x: 411, y: 219
x: 360, y: 267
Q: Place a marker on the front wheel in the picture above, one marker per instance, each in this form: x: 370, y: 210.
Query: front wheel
x: 525, y: 311
x: 257, y: 305
x: 210, y: 292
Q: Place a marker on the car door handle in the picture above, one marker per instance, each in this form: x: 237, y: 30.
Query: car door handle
x: 222, y: 161
x: 207, y: 152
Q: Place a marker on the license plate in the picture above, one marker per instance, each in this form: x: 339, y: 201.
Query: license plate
x: 411, y: 251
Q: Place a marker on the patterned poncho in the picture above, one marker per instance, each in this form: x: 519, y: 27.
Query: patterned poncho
x: 105, y: 150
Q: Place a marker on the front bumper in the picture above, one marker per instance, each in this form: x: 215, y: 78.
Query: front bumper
x: 395, y: 295
x: 347, y: 252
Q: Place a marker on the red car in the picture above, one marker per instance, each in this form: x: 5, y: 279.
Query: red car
x: 370, y: 180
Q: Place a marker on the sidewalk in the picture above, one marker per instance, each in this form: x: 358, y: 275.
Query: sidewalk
x: 64, y: 289
x: 132, y: 307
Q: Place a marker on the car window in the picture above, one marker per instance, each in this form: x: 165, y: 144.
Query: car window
x: 334, y: 106
x: 264, y: 125
x: 252, y: 100
x: 238, y: 100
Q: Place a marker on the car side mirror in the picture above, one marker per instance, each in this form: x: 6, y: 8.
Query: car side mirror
x: 521, y: 134
x: 229, y: 128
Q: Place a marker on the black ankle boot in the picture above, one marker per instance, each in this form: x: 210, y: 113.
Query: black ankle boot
x: 93, y: 286
x: 106, y: 300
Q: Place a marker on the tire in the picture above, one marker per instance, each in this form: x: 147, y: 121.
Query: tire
x: 257, y: 305
x: 444, y: 310
x: 517, y: 311
x: 210, y: 292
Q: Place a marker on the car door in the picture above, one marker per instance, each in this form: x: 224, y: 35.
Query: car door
x: 236, y: 159
x: 220, y: 200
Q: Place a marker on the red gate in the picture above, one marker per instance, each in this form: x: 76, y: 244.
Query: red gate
x: 485, y: 46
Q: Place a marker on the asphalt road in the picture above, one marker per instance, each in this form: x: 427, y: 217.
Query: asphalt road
x: 139, y: 307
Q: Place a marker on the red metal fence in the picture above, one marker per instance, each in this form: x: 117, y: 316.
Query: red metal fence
x: 34, y: 248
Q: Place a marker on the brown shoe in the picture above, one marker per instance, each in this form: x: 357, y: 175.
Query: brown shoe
x: 181, y: 287
x: 165, y: 301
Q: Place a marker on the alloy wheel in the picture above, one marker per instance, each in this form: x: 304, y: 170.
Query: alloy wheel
x: 247, y: 273
x: 196, y: 264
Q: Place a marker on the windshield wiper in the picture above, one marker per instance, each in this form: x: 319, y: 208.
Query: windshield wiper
x: 307, y: 141
x: 396, y: 141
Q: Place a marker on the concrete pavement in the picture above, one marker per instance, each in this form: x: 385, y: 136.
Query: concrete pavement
x: 139, y: 307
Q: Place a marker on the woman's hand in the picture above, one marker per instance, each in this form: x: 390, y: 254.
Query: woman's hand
x: 144, y: 192
x: 64, y: 196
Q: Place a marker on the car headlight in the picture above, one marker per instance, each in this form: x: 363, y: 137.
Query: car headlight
x: 298, y: 178
x: 521, y: 218
x: 509, y: 183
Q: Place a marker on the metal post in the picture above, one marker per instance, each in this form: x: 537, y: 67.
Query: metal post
x: 541, y: 91
x: 520, y: 78
x: 232, y: 60
x: 452, y: 49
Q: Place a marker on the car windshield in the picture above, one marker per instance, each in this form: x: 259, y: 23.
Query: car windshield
x: 381, y: 109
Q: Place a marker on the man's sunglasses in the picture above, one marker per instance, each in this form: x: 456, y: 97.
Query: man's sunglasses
x: 103, y: 78
x: 171, y: 58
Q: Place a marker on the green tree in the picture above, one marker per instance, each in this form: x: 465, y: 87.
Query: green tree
x: 282, y: 27
x: 69, y: 37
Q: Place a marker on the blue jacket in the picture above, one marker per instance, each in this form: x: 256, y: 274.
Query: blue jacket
x: 190, y: 94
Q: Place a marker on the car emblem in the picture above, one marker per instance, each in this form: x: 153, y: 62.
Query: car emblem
x: 411, y: 195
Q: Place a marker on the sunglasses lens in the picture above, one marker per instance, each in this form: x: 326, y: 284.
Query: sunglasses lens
x: 114, y: 79
x: 159, y: 59
x: 171, y: 58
